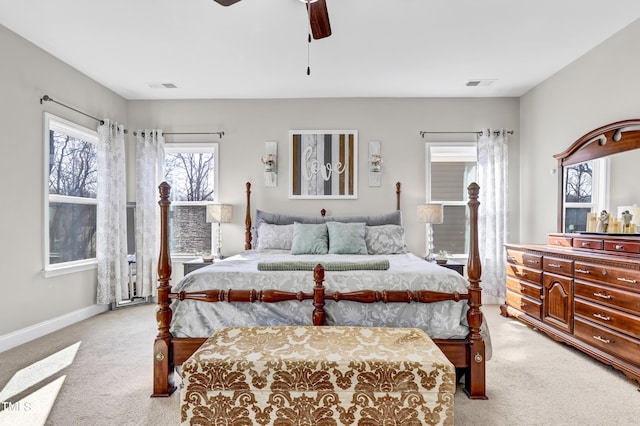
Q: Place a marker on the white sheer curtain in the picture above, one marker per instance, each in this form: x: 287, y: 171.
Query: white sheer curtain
x: 493, y: 218
x: 111, y: 235
x: 149, y: 160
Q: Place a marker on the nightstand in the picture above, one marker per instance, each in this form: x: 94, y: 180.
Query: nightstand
x: 192, y: 265
x: 452, y: 264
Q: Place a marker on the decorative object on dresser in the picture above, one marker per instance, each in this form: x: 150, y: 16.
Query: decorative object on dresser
x: 583, y: 287
x: 219, y: 213
x: 430, y: 213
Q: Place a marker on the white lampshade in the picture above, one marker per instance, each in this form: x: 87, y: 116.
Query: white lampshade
x: 219, y: 213
x: 431, y: 213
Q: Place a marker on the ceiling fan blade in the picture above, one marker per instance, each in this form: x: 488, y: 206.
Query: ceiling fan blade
x: 319, y: 19
x: 226, y: 2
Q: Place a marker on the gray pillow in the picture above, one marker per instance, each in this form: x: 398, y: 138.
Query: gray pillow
x: 275, y: 237
x: 310, y: 238
x: 391, y: 218
x: 385, y: 239
x: 280, y: 219
x: 346, y: 238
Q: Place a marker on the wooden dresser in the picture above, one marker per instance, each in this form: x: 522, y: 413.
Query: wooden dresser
x: 581, y: 289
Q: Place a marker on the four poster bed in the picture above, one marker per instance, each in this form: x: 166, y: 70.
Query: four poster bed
x: 376, y: 284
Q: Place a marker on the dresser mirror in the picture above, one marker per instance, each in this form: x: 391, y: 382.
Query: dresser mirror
x: 600, y: 172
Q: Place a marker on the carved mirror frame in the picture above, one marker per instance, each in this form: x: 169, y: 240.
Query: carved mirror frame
x: 610, y: 139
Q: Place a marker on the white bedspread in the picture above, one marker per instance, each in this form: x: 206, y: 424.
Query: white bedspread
x: 439, y: 320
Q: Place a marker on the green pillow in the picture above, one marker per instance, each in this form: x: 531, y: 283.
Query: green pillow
x: 347, y: 238
x: 310, y: 239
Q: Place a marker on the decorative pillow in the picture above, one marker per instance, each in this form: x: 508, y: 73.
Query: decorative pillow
x: 310, y: 238
x: 281, y: 219
x: 385, y: 239
x: 391, y: 218
x: 346, y: 238
x: 276, y: 237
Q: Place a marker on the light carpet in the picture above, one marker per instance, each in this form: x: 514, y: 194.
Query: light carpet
x: 106, y: 379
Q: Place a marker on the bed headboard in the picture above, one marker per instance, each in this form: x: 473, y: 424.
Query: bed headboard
x: 248, y: 234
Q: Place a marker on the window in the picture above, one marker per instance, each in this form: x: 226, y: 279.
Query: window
x: 450, y: 168
x: 70, y: 196
x: 192, y: 172
x: 584, y: 189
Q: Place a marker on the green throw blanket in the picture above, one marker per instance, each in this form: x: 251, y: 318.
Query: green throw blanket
x: 377, y: 265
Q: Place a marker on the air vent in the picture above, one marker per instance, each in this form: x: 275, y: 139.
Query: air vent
x: 474, y: 83
x: 162, y: 85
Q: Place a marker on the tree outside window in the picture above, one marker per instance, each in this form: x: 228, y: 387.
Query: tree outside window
x: 191, y: 170
x: 71, y: 204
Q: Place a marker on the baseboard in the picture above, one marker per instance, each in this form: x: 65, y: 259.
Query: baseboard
x: 19, y: 337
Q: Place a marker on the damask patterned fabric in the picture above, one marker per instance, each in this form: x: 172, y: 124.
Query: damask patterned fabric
x: 385, y: 239
x: 318, y: 376
x: 275, y: 237
x: 441, y: 320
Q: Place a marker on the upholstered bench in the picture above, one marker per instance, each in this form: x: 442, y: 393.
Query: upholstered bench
x: 318, y: 375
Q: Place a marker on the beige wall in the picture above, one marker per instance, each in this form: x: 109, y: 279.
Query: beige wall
x: 26, y: 74
x: 396, y: 123
x: 599, y: 88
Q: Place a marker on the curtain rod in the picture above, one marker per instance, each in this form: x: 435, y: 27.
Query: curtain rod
x: 496, y: 132
x: 220, y: 134
x: 50, y: 99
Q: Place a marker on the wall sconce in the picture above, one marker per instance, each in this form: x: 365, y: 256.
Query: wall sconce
x: 270, y: 162
x: 219, y: 213
x: 375, y: 164
x: 430, y: 214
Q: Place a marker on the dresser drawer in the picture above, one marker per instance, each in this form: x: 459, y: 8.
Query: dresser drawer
x: 523, y: 273
x: 608, y: 274
x: 608, y: 340
x: 524, y: 304
x: 587, y: 243
x: 526, y: 259
x: 524, y: 288
x: 620, y: 321
x: 557, y: 265
x: 622, y: 246
x: 604, y: 295
x: 562, y: 241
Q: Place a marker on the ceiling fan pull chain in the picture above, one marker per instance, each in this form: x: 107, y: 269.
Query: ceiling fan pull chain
x: 308, y: 56
x: 309, y: 39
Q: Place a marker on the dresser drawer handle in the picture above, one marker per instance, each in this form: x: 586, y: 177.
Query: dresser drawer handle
x: 558, y: 242
x: 602, y: 339
x: 555, y: 265
x: 583, y: 271
x: 532, y: 262
x: 511, y: 259
x: 602, y: 316
x: 619, y: 247
x: 521, y: 274
x: 521, y: 288
x: 522, y: 304
x: 603, y: 296
x: 627, y: 280
x: 585, y: 244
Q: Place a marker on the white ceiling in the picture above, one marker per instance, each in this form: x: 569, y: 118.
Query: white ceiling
x: 258, y: 48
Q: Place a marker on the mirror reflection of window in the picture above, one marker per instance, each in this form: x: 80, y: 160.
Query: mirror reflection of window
x: 584, y: 192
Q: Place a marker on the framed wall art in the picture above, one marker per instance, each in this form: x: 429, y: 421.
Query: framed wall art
x: 323, y: 164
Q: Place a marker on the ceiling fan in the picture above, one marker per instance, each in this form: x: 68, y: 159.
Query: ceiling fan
x: 318, y: 16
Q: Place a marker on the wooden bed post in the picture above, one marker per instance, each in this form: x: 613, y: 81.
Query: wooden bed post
x: 247, y: 220
x: 475, y: 386
x: 398, y: 185
x: 318, y: 296
x: 162, y: 358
